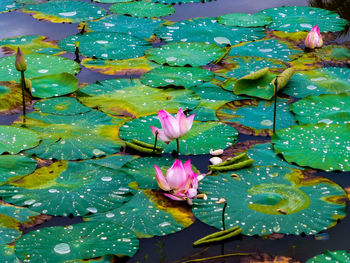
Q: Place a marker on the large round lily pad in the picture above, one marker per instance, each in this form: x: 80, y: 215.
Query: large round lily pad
x: 11, y: 97
x: 176, y: 76
x: 74, y: 242
x: 38, y: 65
x: 256, y: 116
x: 75, y: 137
x: 142, y: 9
x: 202, y: 137
x: 182, y: 54
x: 149, y: 214
x: 319, y: 146
x: 15, y: 139
x: 61, y: 106
x: 270, y: 199
x: 303, y: 18
x: 65, y: 11
x: 8, y: 5
x: 106, y: 45
x: 331, y: 256
x: 244, y: 20
x: 65, y: 188
x: 132, y: 98
x: 207, y: 30
x: 327, y: 108
x: 15, y: 165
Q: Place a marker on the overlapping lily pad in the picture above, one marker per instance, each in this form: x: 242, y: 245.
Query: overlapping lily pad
x: 8, y: 5
x: 38, y: 65
x: 302, y: 18
x: 138, y: 27
x: 65, y: 188
x: 270, y: 199
x: 327, y: 108
x: 15, y: 165
x: 131, y: 98
x: 186, y: 77
x: 7, y: 253
x: 142, y: 9
x: 244, y: 20
x: 11, y: 97
x: 256, y: 116
x: 182, y: 54
x: 333, y: 53
x: 61, y: 106
x: 149, y: 214
x: 331, y: 256
x: 75, y: 137
x: 65, y: 11
x: 319, y: 146
x: 202, y: 137
x: 207, y: 30
x: 106, y: 45
x: 14, y: 139
x: 74, y: 242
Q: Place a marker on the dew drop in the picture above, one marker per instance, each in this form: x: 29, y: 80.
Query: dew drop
x: 62, y: 248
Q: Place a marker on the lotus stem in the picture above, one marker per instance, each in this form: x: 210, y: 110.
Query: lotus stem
x: 275, y: 105
x: 228, y: 49
x: 219, y: 236
x: 223, y: 216
x: 23, y: 84
x: 155, y: 141
x: 177, y: 146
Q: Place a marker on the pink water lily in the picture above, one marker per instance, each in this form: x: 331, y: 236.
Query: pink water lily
x: 314, y: 38
x: 180, y: 183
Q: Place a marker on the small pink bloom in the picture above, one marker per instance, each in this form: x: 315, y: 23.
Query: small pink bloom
x: 314, y: 38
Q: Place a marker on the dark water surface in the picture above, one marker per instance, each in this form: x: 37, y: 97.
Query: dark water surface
x: 176, y: 247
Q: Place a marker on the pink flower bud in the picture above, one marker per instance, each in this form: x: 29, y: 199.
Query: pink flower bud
x: 314, y: 38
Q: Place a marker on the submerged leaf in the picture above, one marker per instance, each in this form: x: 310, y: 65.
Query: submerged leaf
x: 142, y: 9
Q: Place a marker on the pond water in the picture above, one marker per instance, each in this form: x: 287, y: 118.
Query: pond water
x: 178, y: 247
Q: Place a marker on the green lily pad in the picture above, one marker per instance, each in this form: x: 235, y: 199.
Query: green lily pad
x: 65, y: 11
x: 171, y: 2
x: 333, y: 53
x: 209, y: 31
x: 270, y: 48
x: 13, y: 139
x: 186, y: 77
x: 330, y: 80
x: 270, y: 199
x: 8, y: 5
x: 65, y: 188
x: 202, y: 137
x: 11, y: 97
x: 319, y: 146
x: 75, y: 137
x: 15, y: 165
x: 30, y: 44
x: 105, y: 45
x: 54, y: 85
x: 74, y: 242
x: 149, y: 214
x: 182, y: 54
x: 244, y: 20
x: 303, y: 18
x: 61, y: 106
x: 38, y: 65
x: 7, y: 254
x: 142, y: 9
x: 256, y: 116
x: 131, y: 98
x: 135, y: 26
x: 115, y: 161
x: 327, y: 108
x: 112, y: 1
x: 131, y: 66
x: 331, y: 256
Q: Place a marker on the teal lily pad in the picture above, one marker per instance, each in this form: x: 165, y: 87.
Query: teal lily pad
x: 65, y: 11
x: 202, y: 137
x: 319, y: 146
x: 106, y: 45
x: 9, y: 5
x: 256, y: 116
x: 330, y: 256
x: 75, y: 137
x: 330, y: 80
x: 111, y: 1
x: 244, y: 20
x: 270, y: 199
x: 207, y: 30
x: 54, y: 85
x: 74, y: 242
x: 149, y: 214
x: 38, y: 65
x: 14, y: 139
x: 11, y: 97
x: 171, y: 2
x: 182, y: 54
x: 61, y: 106
x: 65, y: 188
x: 15, y: 165
x: 135, y: 26
x: 142, y: 9
x: 133, y: 99
x: 327, y: 108
x: 7, y: 254
x: 303, y: 18
x: 186, y: 77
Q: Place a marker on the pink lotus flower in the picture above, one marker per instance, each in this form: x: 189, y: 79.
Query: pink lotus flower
x: 181, y: 182
x: 314, y: 38
x: 173, y: 128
